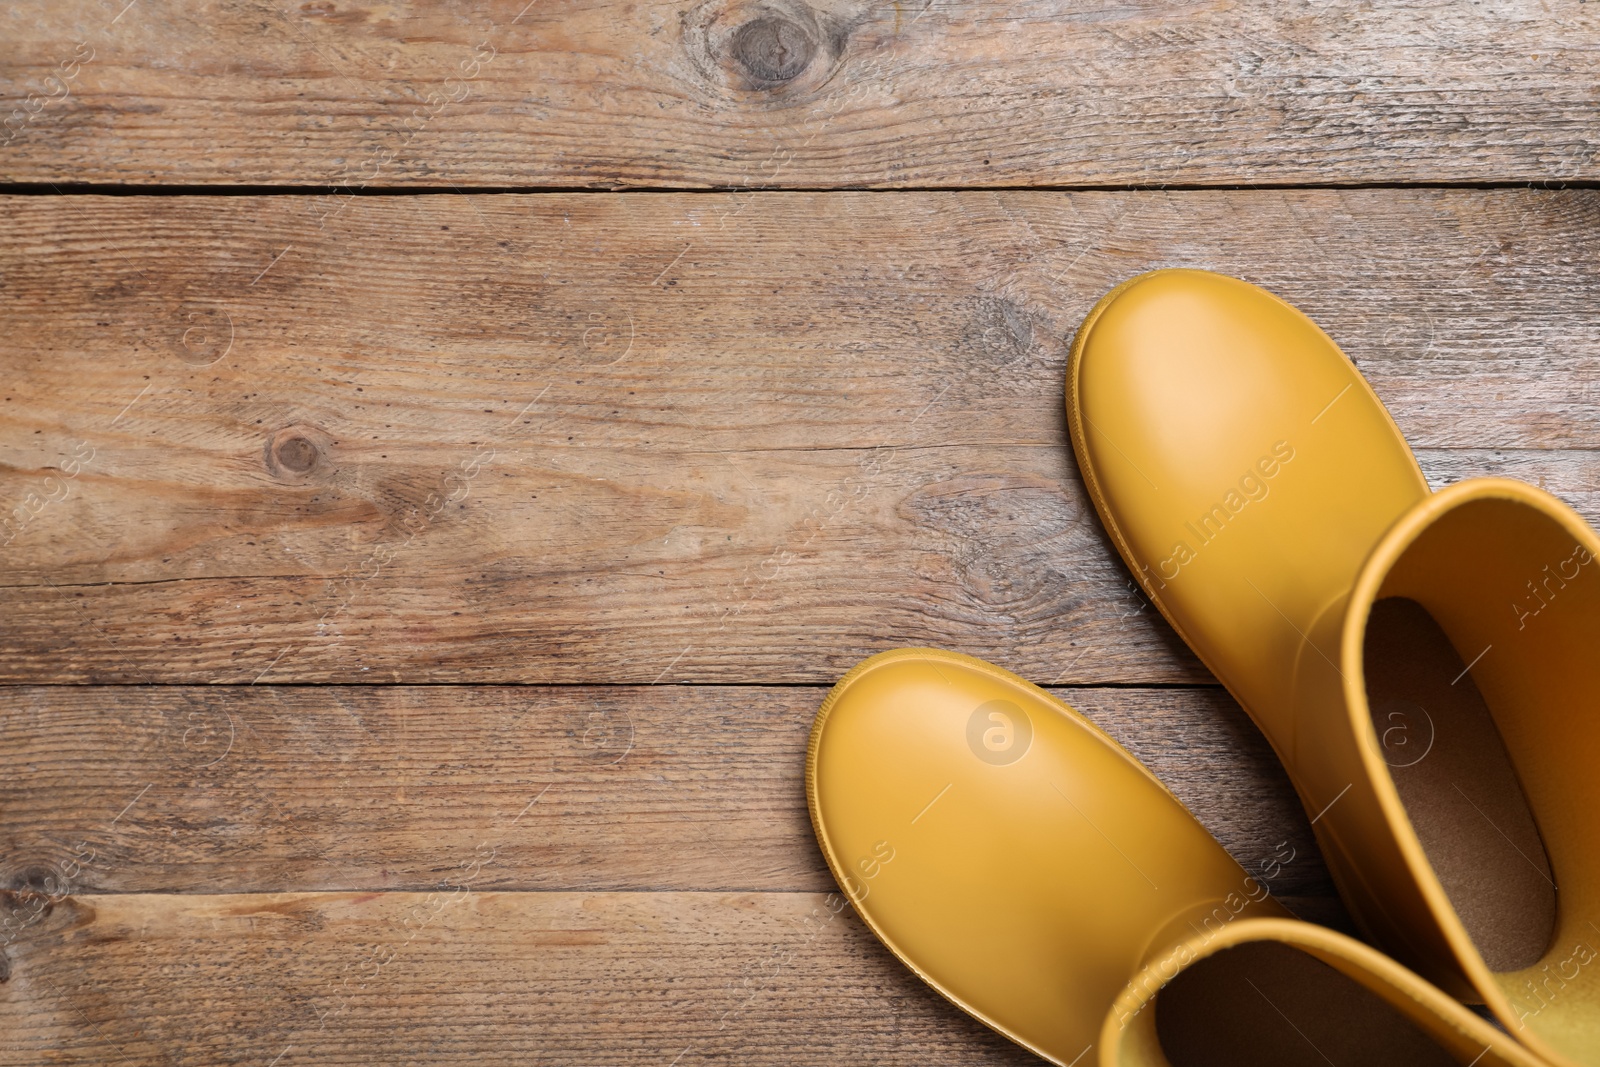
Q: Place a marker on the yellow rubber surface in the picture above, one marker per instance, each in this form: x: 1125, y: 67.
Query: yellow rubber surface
x: 1005, y: 849
x: 1510, y: 574
x: 1265, y: 501
x: 1035, y: 874
x: 1308, y: 1022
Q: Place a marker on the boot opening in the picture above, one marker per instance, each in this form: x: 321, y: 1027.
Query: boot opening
x: 1455, y: 777
x: 1265, y: 1004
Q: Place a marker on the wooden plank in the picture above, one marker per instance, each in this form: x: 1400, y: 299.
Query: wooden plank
x: 460, y: 976
x: 835, y: 93
x: 640, y: 438
x: 463, y: 976
x: 287, y: 788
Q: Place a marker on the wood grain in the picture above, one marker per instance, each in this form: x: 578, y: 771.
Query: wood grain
x: 664, y: 464
x: 784, y: 93
x: 252, y: 789
x: 460, y: 976
x: 678, y: 438
x: 464, y: 976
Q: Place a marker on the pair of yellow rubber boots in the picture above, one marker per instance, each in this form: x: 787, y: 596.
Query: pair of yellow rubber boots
x: 1426, y: 665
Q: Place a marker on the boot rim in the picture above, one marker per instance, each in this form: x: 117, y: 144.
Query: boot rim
x: 1326, y: 945
x: 1380, y: 561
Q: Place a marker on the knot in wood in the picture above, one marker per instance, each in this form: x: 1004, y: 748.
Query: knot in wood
x: 296, y: 454
x: 33, y: 882
x: 295, y: 451
x: 773, y: 49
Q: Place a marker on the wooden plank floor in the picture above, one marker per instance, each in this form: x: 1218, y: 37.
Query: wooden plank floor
x: 447, y: 450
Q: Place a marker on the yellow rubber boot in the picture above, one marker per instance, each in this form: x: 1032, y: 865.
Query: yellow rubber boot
x: 1251, y: 479
x: 1034, y: 873
x: 1472, y: 638
x: 1270, y: 992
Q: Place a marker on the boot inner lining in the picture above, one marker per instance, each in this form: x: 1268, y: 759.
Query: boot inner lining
x: 1458, y: 785
x: 1265, y: 1004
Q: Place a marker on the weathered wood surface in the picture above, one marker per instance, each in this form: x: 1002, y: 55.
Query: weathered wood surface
x: 459, y: 976
x: 251, y: 789
x: 726, y: 442
x: 748, y: 94
x: 463, y: 976
x: 678, y: 437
